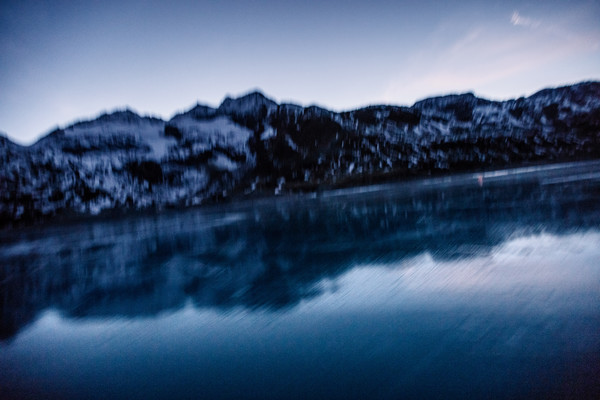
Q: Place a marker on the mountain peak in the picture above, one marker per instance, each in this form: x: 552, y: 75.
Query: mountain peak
x: 246, y: 104
x: 199, y: 111
x: 449, y: 100
x: 121, y: 116
x: 126, y: 114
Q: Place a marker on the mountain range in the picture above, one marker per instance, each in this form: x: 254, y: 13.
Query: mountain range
x: 252, y: 146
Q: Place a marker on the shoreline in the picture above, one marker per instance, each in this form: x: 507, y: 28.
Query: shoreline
x: 478, y: 177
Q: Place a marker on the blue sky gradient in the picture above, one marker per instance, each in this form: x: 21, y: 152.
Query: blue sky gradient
x: 67, y: 60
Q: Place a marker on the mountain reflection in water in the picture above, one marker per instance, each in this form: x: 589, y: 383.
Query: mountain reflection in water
x: 428, y: 289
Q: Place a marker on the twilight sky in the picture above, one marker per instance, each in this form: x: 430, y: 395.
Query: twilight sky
x: 62, y: 61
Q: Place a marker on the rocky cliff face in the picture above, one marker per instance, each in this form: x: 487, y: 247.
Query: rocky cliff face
x: 253, y: 145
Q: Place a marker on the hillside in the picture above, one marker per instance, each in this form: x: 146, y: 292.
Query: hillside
x: 252, y: 145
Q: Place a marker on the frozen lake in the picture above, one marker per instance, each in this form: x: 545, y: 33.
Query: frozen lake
x: 473, y: 286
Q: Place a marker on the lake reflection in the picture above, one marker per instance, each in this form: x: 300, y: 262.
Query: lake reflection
x: 435, y: 289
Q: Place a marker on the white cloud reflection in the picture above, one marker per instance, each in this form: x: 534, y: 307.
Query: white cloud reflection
x: 526, y: 274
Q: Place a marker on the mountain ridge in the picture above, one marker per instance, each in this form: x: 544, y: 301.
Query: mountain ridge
x: 205, y: 108
x: 251, y: 145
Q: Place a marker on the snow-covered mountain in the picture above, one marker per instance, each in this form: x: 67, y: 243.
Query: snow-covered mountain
x: 253, y: 145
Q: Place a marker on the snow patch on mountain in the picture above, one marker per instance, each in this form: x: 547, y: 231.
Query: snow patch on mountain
x: 218, y: 132
x: 144, y: 130
x: 268, y: 133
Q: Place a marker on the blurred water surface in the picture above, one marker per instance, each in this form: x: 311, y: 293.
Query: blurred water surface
x: 473, y: 286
